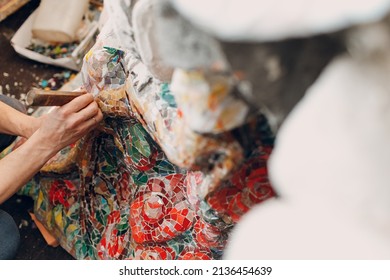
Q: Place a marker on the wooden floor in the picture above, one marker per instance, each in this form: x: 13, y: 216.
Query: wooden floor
x: 17, y: 76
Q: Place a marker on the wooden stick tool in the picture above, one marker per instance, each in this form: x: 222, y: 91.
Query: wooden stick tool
x: 40, y: 97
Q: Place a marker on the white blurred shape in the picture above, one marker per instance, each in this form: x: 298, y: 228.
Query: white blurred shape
x: 268, y: 20
x: 331, y: 166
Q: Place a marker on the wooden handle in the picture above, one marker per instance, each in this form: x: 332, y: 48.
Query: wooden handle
x: 40, y: 97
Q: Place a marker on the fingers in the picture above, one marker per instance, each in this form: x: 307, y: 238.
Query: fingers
x: 80, y: 110
x: 65, y: 125
x: 78, y: 103
x: 92, y: 115
x: 87, y: 113
x: 99, y: 116
x: 89, y: 124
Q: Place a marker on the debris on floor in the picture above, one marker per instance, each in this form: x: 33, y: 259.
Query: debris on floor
x: 47, y: 40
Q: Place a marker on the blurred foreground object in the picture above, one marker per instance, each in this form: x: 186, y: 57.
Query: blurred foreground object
x: 275, y: 20
x: 276, y: 48
x: 330, y: 165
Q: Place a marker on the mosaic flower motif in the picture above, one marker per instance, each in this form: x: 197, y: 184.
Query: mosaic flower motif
x: 62, y: 192
x: 114, y: 242
x: 208, y: 235
x: 161, y: 212
x: 248, y: 186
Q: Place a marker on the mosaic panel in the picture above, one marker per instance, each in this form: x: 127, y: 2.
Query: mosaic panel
x: 115, y: 194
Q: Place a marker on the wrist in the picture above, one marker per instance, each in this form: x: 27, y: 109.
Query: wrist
x: 39, y: 144
x: 30, y: 125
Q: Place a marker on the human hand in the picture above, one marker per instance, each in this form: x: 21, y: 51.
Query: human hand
x: 65, y: 125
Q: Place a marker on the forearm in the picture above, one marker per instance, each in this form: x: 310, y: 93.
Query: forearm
x: 14, y: 122
x: 60, y: 128
x: 17, y: 168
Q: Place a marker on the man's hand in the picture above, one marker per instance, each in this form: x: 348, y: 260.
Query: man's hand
x: 61, y: 127
x: 65, y: 125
